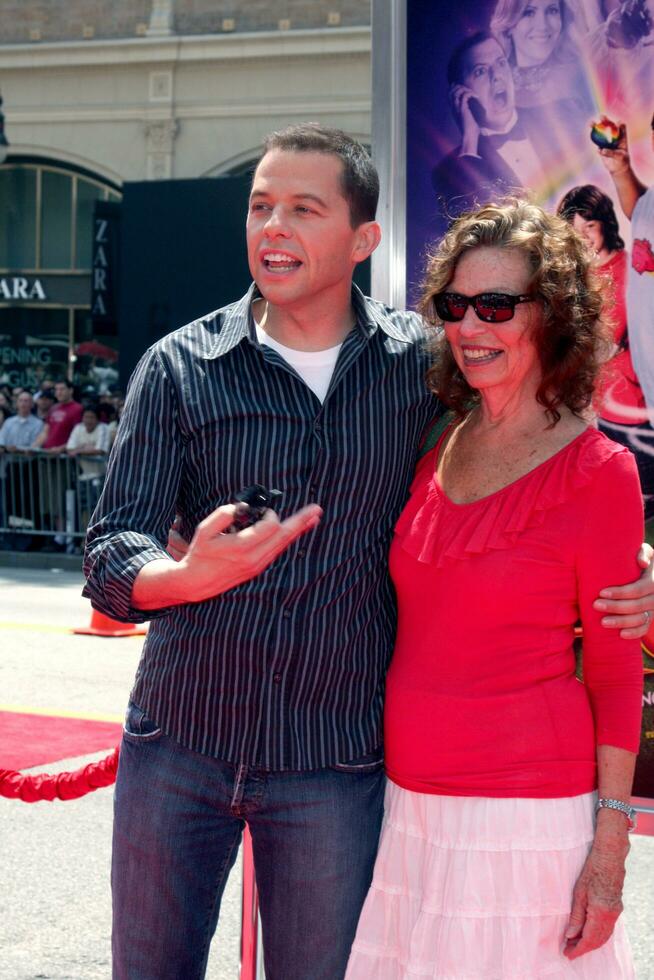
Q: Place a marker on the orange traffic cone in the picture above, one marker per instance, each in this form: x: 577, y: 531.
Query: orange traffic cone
x: 102, y: 625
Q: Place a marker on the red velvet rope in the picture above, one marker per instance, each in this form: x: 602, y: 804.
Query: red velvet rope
x: 62, y: 785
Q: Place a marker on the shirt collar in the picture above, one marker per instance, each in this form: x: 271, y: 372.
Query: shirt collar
x: 237, y: 324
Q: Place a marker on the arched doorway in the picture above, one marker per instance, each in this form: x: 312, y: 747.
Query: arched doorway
x: 46, y: 236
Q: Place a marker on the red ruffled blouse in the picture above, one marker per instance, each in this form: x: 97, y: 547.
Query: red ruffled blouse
x: 481, y: 697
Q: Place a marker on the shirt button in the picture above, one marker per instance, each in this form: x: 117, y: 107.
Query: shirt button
x: 277, y: 678
x: 313, y: 490
x: 317, y: 427
x: 302, y: 553
x: 286, y: 614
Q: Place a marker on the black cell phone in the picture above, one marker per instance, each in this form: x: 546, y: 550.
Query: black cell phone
x: 251, y: 504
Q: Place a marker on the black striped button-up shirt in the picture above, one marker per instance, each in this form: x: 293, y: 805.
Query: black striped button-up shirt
x: 285, y: 671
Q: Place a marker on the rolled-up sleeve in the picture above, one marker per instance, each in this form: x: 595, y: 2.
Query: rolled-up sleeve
x: 130, y: 525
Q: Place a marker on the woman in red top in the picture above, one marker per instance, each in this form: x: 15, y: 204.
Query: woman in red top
x: 502, y: 854
x: 621, y: 409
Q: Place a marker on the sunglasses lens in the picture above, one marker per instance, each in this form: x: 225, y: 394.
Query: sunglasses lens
x: 450, y: 307
x: 495, y: 307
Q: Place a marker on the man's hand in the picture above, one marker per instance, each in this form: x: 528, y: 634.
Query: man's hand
x: 596, y: 899
x: 630, y: 607
x: 216, y: 562
x: 461, y: 97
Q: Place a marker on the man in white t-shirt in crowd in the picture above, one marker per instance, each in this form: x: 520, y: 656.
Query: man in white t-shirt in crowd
x: 637, y: 202
x: 90, y: 437
x: 90, y: 440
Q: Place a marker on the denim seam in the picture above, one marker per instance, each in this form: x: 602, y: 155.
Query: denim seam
x: 219, y: 891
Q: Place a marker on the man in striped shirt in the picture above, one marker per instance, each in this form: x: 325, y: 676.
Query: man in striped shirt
x: 259, y: 694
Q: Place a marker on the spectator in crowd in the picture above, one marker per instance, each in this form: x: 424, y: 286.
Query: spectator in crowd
x: 44, y: 401
x: 19, y: 432
x: 111, y: 408
x: 53, y: 479
x: 15, y: 392
x: 109, y: 416
x: 91, y: 441
x: 117, y: 399
x: 5, y: 414
x: 5, y: 401
x: 17, y: 435
x: 61, y: 420
x: 46, y: 385
x: 90, y: 437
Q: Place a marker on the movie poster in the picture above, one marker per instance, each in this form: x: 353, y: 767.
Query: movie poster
x: 507, y: 96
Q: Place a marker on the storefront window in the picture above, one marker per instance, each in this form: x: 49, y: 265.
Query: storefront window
x: 17, y: 218
x: 34, y: 345
x: 56, y: 213
x: 46, y: 244
x: 62, y: 201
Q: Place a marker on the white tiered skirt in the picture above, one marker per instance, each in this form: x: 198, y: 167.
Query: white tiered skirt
x: 469, y: 888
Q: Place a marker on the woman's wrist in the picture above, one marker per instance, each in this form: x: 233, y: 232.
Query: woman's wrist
x: 611, y: 831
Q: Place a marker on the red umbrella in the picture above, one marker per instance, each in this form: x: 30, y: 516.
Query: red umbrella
x: 93, y: 348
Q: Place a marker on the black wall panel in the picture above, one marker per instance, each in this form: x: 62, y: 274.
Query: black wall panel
x: 182, y: 254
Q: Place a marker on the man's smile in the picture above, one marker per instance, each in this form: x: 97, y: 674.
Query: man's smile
x: 279, y: 261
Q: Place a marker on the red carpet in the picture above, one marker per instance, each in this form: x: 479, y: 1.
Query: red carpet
x: 28, y: 740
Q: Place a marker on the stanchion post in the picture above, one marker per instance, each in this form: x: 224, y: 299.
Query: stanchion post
x: 249, y: 914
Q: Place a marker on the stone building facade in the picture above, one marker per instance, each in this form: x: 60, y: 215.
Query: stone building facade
x: 100, y: 93
x: 149, y: 89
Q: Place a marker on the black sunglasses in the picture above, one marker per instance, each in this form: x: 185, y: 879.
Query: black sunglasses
x: 489, y: 307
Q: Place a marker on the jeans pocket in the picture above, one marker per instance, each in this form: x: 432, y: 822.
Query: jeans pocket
x: 370, y: 762
x: 138, y: 727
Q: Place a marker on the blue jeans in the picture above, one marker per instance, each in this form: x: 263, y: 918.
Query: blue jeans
x: 178, y: 821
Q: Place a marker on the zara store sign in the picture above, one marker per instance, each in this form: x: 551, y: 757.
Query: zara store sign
x: 21, y: 287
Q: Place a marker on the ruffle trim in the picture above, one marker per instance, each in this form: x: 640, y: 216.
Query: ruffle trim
x: 433, y: 529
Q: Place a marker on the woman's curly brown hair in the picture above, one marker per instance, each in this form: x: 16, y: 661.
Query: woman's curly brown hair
x: 571, y: 339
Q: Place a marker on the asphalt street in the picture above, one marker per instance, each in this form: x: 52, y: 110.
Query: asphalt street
x: 55, y: 906
x: 54, y: 864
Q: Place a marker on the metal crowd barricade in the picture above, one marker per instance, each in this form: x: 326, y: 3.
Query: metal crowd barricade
x: 43, y: 495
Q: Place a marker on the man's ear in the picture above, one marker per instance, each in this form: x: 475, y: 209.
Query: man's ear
x: 368, y: 237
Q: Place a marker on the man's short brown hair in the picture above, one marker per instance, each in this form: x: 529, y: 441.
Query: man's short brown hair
x: 359, y: 179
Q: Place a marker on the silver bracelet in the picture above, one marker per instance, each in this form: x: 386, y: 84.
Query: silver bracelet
x: 625, y: 808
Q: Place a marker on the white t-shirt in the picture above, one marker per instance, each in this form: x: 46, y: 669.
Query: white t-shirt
x: 81, y: 438
x: 314, y: 367
x: 640, y: 295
